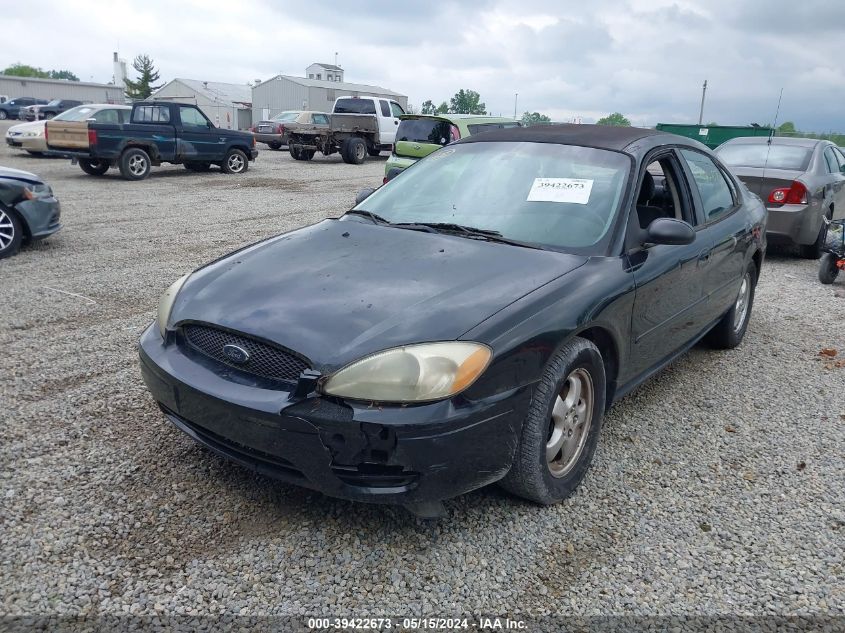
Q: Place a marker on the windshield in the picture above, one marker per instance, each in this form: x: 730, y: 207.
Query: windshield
x: 54, y: 102
x: 792, y: 157
x: 79, y: 113
x: 544, y: 194
x: 354, y: 106
x: 285, y: 116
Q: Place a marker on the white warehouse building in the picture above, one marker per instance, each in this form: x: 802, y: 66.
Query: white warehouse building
x: 226, y: 105
x: 87, y: 92
x: 284, y: 92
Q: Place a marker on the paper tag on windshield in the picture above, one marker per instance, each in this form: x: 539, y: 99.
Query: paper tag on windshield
x: 573, y: 190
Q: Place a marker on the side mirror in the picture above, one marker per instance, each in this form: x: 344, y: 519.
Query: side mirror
x: 363, y: 195
x: 669, y: 231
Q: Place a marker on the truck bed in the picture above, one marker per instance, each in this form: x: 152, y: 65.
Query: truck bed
x: 343, y: 124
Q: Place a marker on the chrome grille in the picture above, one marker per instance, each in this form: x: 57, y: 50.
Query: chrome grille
x: 265, y: 360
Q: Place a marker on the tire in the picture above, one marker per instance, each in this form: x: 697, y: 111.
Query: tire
x: 550, y: 420
x: 3, y: 115
x: 814, y: 250
x: 134, y: 164
x: 275, y: 145
x: 307, y: 154
x: 730, y: 330
x: 294, y: 152
x: 373, y: 151
x: 198, y: 167
x: 828, y: 271
x: 93, y: 167
x: 11, y: 233
x: 235, y: 162
x: 354, y: 150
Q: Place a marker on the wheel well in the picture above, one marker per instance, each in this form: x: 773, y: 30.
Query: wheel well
x: 27, y: 233
x: 610, y: 355
x: 243, y: 148
x: 757, y: 258
x: 151, y: 150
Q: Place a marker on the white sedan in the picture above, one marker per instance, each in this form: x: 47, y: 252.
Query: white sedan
x: 30, y: 136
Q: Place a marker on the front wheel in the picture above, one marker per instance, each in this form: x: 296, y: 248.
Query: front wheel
x: 828, y: 270
x: 10, y: 233
x: 561, y: 430
x: 235, y: 162
x: 93, y: 167
x: 134, y: 164
x: 3, y: 115
x: 274, y: 145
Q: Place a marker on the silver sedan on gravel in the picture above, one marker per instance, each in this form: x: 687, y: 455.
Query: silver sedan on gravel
x: 274, y: 132
x: 801, y: 180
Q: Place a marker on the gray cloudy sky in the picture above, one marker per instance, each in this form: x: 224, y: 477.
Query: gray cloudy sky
x: 644, y: 58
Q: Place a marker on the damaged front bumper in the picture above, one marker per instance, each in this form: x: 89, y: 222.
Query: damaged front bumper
x: 406, y: 455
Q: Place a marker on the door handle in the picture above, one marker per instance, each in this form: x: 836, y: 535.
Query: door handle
x: 704, y: 257
x: 396, y: 123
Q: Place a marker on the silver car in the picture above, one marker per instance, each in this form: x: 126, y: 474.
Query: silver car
x: 801, y: 180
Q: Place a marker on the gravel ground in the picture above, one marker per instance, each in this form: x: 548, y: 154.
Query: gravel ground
x: 718, y: 487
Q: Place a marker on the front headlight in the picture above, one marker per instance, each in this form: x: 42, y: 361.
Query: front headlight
x: 165, y: 305
x: 33, y: 192
x: 414, y: 373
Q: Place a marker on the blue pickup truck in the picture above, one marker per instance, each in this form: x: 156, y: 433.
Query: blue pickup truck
x: 157, y: 132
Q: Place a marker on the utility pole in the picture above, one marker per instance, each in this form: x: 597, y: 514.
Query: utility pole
x: 701, y: 112
x: 515, y: 101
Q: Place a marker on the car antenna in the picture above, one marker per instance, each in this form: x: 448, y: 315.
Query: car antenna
x: 769, y: 142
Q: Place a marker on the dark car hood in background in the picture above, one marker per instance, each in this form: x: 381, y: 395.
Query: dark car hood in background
x: 17, y: 174
x: 339, y: 290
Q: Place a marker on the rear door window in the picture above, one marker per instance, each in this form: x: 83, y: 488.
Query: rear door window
x: 830, y: 160
x: 321, y: 119
x: 716, y: 194
x: 355, y: 106
x: 424, y: 131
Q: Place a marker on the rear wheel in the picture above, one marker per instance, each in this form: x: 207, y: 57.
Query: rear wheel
x: 134, y: 164
x: 306, y: 154
x: 198, y: 167
x: 828, y: 270
x: 814, y: 250
x: 354, y: 150
x: 10, y: 233
x: 235, y: 162
x: 274, y: 145
x: 93, y: 167
x: 294, y: 152
x: 730, y: 330
x: 3, y: 115
x: 561, y: 430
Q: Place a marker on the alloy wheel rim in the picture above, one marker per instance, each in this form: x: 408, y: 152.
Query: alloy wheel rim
x: 570, y: 422
x: 7, y: 230
x: 137, y: 165
x: 742, y: 301
x: 236, y: 163
x: 359, y: 150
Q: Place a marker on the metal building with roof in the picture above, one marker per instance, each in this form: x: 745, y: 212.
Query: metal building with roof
x: 85, y: 91
x: 284, y: 92
x: 228, y: 106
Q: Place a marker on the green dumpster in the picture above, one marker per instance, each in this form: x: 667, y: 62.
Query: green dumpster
x: 713, y: 135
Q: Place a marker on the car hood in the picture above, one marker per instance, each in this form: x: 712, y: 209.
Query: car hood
x: 17, y: 174
x: 339, y: 290
x: 25, y: 127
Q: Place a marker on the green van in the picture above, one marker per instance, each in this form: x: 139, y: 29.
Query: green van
x: 419, y: 135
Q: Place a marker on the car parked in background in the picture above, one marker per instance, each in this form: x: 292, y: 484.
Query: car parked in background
x: 801, y: 180
x: 419, y: 135
x: 47, y: 110
x: 466, y: 323
x: 30, y: 136
x: 11, y: 108
x: 28, y: 210
x: 274, y: 131
x: 157, y: 132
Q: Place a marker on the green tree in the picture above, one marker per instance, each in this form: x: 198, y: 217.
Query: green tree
x: 533, y: 118
x: 147, y: 76
x: 443, y: 108
x: 787, y: 128
x: 24, y: 70
x: 63, y: 74
x: 427, y: 107
x: 467, y: 102
x: 617, y: 118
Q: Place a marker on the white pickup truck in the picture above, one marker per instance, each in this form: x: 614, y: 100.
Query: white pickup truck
x: 357, y: 126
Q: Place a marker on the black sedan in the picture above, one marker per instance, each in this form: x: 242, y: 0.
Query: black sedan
x: 469, y: 322
x: 28, y: 210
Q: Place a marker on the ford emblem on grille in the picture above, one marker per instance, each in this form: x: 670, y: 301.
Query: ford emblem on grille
x: 236, y: 354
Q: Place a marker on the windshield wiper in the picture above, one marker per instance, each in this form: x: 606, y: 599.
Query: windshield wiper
x: 468, y: 231
x: 376, y: 218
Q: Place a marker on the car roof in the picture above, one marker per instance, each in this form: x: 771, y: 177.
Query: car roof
x: 598, y: 136
x: 776, y: 140
x: 465, y: 118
